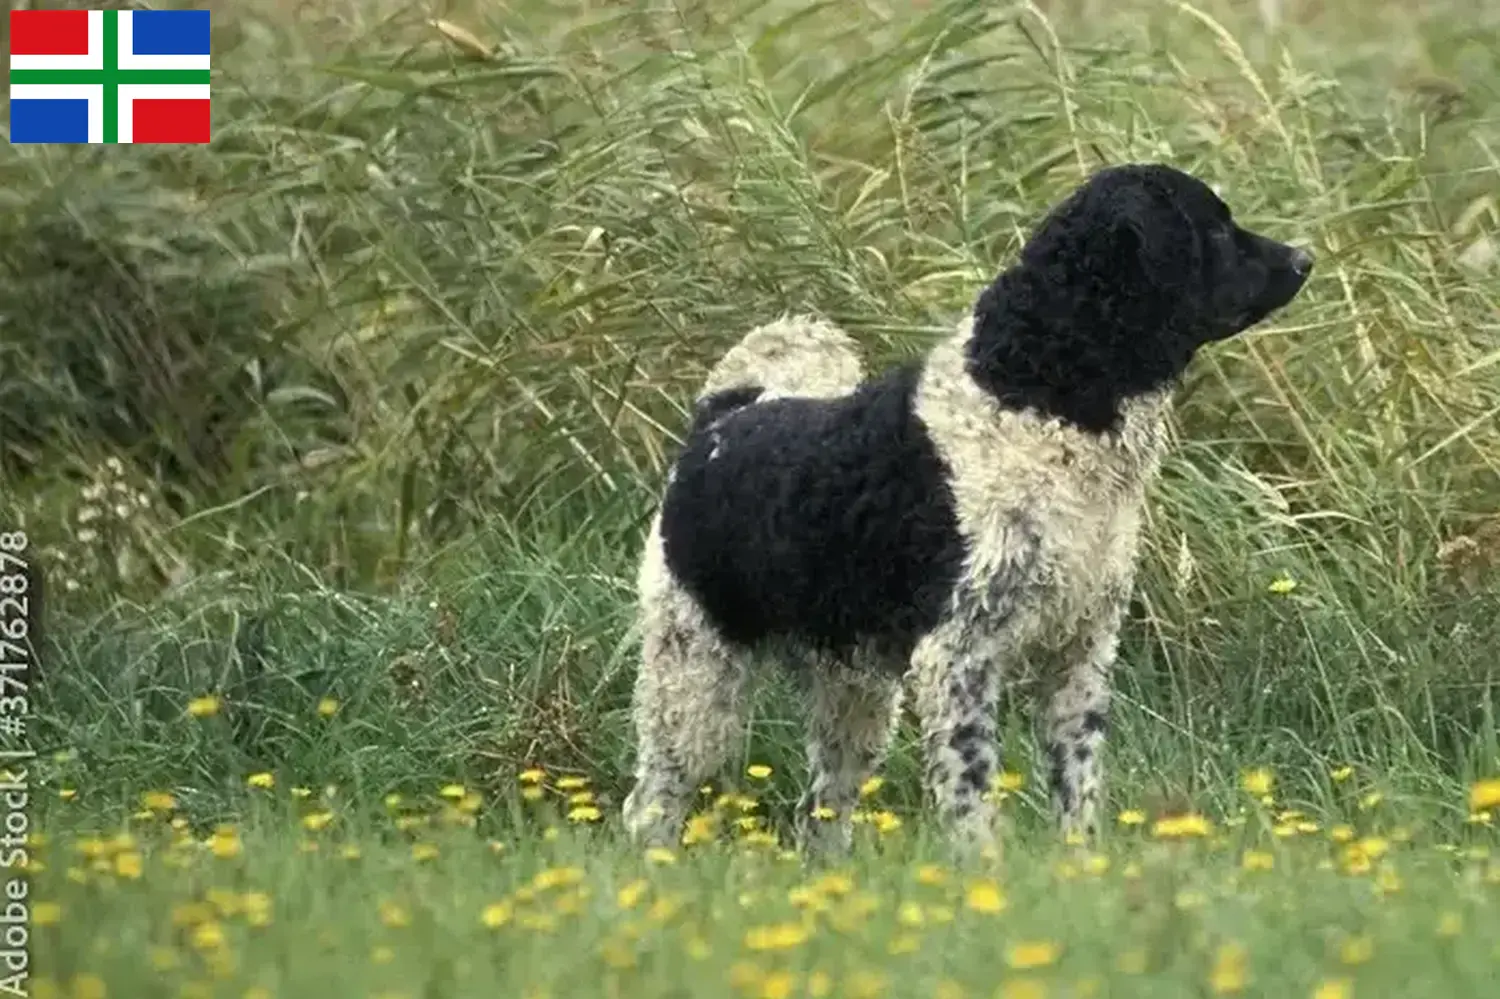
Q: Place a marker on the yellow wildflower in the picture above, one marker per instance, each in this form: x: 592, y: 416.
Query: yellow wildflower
x: 1257, y: 860
x: 46, y: 913
x: 584, y: 813
x: 265, y: 780
x: 781, y: 936
x: 1008, y: 781
x: 1181, y: 827
x: 1029, y: 954
x: 758, y: 771
x: 1257, y: 782
x: 1282, y: 585
x: 327, y: 707
x: 496, y: 915
x: 1341, y: 774
x: 1334, y: 988
x: 1228, y: 975
x: 572, y: 783
x: 128, y: 865
x: 225, y: 843
x: 1132, y: 817
x: 1484, y: 795
x: 158, y: 801
x: 660, y: 855
x: 533, y: 775
x: 313, y: 821
x: 205, y: 706
x: 985, y: 897
x: 422, y: 852
x: 931, y: 874
x: 871, y: 786
x: 67, y: 793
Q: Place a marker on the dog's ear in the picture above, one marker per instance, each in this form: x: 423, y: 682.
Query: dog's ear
x: 1159, y: 238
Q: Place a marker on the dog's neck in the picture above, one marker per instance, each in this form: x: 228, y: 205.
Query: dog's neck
x: 1128, y: 453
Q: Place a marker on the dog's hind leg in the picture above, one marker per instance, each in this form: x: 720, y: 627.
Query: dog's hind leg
x: 688, y: 705
x: 852, y: 716
x: 1076, y: 717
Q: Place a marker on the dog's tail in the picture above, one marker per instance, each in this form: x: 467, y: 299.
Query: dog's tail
x: 798, y: 356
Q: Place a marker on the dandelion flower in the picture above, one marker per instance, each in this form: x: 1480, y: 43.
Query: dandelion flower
x: 1031, y: 954
x: 985, y: 897
x: 496, y: 915
x: 572, y: 783
x: 205, y: 706
x: 225, y: 843
x: 871, y: 786
x: 931, y: 874
x: 67, y: 793
x: 1282, y: 585
x: 781, y: 936
x: 1341, y: 774
x: 1257, y: 860
x: 1484, y: 795
x: 1181, y: 827
x: 1257, y: 782
x: 778, y: 985
x: 158, y: 801
x: 264, y: 780
x: 661, y: 856
x: 1008, y: 781
x: 327, y: 707
x: 128, y: 865
x: 584, y: 813
x: 1132, y: 817
x: 533, y: 775
x: 1334, y: 988
x: 1229, y: 974
x: 758, y: 771
x: 452, y: 792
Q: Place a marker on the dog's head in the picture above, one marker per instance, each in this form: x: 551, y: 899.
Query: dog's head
x: 1119, y: 286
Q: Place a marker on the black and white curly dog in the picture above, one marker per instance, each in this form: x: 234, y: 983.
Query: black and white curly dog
x: 950, y: 520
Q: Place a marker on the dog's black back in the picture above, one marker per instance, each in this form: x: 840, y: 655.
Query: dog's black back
x: 828, y: 521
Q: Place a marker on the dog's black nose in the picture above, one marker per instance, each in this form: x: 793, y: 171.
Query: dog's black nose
x: 1302, y: 261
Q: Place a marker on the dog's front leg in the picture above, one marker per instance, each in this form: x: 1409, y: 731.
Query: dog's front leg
x: 1076, y: 717
x: 957, y: 676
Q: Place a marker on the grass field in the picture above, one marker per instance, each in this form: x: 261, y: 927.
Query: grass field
x: 335, y: 442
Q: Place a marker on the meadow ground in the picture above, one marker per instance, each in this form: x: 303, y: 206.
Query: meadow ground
x: 335, y: 443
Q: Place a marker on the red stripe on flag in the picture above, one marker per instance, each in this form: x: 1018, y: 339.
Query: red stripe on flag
x: 49, y: 32
x: 169, y: 120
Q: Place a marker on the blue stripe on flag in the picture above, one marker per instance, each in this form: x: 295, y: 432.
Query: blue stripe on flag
x: 169, y: 32
x: 50, y: 120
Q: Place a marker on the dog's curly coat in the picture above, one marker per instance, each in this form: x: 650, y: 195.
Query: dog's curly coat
x: 947, y: 519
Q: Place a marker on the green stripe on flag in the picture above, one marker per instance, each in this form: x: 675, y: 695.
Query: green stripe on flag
x: 111, y: 76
